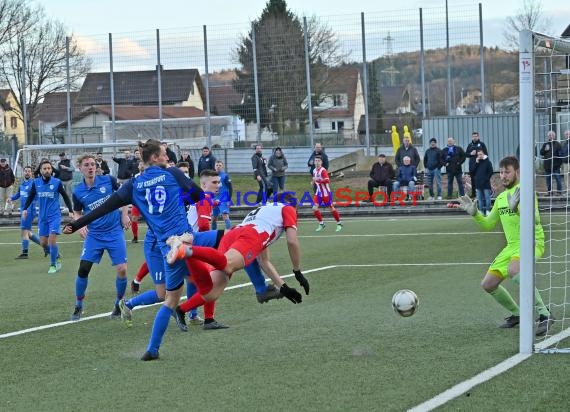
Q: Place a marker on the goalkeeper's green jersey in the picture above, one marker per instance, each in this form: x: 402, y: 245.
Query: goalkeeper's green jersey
x: 511, y: 221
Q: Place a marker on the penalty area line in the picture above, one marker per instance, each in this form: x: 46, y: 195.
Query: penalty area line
x: 104, y: 315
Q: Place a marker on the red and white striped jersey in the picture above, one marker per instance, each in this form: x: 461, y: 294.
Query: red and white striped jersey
x: 199, y: 215
x: 322, y: 180
x: 271, y: 220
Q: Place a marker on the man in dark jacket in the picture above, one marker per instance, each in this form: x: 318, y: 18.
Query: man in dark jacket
x: 206, y: 161
x: 65, y: 170
x: 320, y: 152
x: 259, y: 164
x: 381, y: 174
x: 278, y: 165
x: 471, y: 153
x: 186, y: 158
x: 551, y: 152
x: 407, y: 176
x: 453, y: 158
x: 170, y: 153
x: 433, y: 161
x: 482, y: 174
x: 102, y: 164
x: 7, y: 180
x: 127, y: 166
x: 407, y: 150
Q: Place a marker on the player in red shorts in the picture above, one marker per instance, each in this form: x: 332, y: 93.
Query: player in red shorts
x: 239, y: 247
x: 323, y: 195
x: 136, y: 214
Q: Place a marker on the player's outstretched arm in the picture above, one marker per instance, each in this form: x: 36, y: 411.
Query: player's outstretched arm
x: 114, y: 202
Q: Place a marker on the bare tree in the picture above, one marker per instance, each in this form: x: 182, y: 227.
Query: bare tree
x: 15, y: 17
x: 531, y: 17
x: 44, y: 43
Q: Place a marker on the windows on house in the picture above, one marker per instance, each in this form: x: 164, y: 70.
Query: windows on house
x: 14, y: 122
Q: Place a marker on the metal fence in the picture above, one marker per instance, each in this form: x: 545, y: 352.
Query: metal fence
x: 340, y: 80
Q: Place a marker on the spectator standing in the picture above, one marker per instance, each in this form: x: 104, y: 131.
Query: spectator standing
x: 551, y: 152
x: 381, y: 174
x: 277, y: 164
x: 433, y: 161
x: 481, y: 181
x: 102, y: 164
x: 406, y: 149
x: 319, y: 151
x: 565, y: 154
x: 128, y: 166
x: 206, y: 161
x: 407, y: 176
x: 471, y: 153
x: 187, y: 159
x: 259, y: 164
x: 7, y: 180
x: 65, y: 172
x: 170, y: 153
x: 453, y: 158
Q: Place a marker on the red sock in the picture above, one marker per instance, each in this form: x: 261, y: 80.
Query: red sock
x: 195, y: 301
x: 336, y: 215
x: 209, y: 309
x: 318, y: 215
x: 135, y: 229
x: 143, y: 271
x: 210, y: 256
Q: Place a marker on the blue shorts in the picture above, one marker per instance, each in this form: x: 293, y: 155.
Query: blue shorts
x: 97, y: 243
x: 222, y: 208
x: 155, y: 262
x: 26, y: 224
x: 207, y: 238
x: 50, y: 225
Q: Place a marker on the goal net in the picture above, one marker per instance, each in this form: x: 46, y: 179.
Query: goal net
x: 544, y: 81
x: 33, y: 155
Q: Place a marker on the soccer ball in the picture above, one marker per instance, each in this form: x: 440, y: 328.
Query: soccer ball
x: 405, y: 302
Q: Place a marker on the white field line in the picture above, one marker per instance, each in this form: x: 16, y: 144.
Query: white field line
x: 468, y: 384
x: 103, y: 315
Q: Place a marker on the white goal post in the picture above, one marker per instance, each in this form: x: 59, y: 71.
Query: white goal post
x: 544, y: 87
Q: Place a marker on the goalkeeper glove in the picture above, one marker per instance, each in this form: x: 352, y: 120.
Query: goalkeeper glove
x: 514, y: 199
x: 291, y: 294
x: 302, y: 280
x: 468, y: 205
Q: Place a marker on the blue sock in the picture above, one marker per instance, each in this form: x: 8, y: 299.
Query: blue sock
x: 190, y: 290
x: 146, y: 298
x: 121, y: 286
x: 34, y: 238
x: 53, y: 253
x: 228, y: 223
x: 158, y: 329
x: 214, y: 224
x: 80, y: 288
x: 256, y: 276
x: 25, y: 245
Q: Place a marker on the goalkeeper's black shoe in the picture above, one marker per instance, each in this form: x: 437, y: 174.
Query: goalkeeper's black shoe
x: 510, y: 322
x: 544, y: 324
x: 212, y: 324
x: 147, y: 356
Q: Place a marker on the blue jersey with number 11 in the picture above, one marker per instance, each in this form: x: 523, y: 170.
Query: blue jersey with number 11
x: 159, y: 195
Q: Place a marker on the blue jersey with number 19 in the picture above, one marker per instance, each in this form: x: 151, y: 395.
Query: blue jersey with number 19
x: 159, y: 194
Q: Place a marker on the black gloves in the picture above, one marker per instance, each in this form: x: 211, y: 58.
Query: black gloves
x: 302, y: 280
x: 291, y: 294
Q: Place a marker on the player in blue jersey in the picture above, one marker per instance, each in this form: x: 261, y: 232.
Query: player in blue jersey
x: 103, y: 234
x: 222, y: 200
x: 47, y: 190
x: 159, y: 193
x: 26, y: 224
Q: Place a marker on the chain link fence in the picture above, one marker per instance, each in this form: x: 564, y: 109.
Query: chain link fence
x: 287, y: 81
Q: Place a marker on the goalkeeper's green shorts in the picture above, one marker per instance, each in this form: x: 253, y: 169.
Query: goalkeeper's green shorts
x: 500, y: 266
